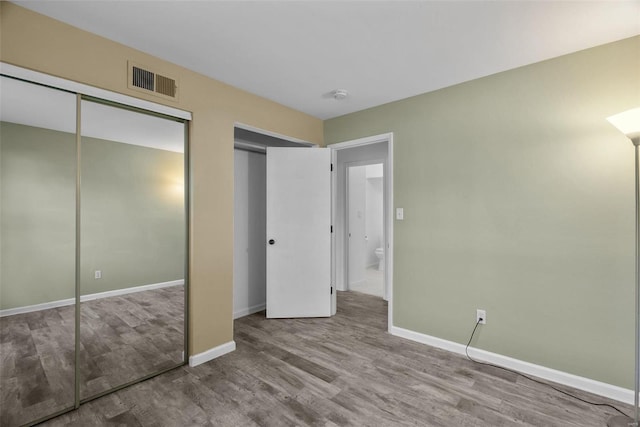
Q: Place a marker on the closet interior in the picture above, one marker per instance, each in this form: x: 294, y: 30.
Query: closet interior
x: 249, y: 219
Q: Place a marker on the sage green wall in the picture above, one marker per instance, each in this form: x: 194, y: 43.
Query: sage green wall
x: 518, y: 199
x: 37, y: 229
x: 132, y: 215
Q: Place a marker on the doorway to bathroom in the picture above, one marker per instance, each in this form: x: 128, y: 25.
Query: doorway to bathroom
x: 365, y: 228
x: 348, y: 155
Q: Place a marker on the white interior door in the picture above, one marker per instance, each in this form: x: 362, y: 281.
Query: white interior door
x: 298, y: 232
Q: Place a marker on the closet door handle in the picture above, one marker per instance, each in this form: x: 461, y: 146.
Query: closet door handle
x: 272, y: 242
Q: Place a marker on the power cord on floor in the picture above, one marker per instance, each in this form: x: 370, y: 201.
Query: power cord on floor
x: 466, y: 350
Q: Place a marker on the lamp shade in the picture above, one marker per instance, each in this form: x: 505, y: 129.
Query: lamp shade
x: 627, y: 122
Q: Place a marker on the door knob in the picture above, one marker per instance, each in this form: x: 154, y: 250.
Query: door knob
x: 271, y: 241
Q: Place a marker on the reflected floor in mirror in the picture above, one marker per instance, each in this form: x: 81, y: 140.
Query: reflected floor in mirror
x: 37, y: 364
x: 128, y: 337
x: 122, y: 338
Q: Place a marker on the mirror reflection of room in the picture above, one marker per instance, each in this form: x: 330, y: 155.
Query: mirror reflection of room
x: 132, y: 246
x: 37, y: 251
x: 130, y: 256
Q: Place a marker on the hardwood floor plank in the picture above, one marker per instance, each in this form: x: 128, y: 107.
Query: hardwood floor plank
x: 341, y: 371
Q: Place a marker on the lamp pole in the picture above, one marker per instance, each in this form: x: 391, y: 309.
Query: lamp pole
x: 629, y: 422
x: 628, y: 123
x: 636, y: 142
x: 622, y: 420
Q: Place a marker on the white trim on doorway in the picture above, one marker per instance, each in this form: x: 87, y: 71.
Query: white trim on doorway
x: 389, y: 217
x: 302, y: 142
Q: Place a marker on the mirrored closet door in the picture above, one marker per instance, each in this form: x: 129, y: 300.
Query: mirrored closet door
x: 93, y: 248
x: 132, y: 246
x: 37, y: 251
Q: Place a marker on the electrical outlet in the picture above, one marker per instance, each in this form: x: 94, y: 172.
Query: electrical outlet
x: 98, y: 274
x: 481, y: 316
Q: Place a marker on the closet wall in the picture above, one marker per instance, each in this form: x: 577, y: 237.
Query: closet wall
x: 250, y: 228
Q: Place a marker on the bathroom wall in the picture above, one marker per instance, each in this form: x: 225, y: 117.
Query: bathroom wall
x: 357, y: 232
x: 374, y: 212
x: 250, y: 228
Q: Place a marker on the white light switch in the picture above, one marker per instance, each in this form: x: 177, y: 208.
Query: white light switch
x: 400, y: 214
x: 98, y: 274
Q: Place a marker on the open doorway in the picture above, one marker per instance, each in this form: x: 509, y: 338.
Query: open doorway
x: 376, y: 149
x: 365, y: 228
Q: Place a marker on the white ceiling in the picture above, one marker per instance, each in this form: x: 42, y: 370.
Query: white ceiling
x: 297, y: 52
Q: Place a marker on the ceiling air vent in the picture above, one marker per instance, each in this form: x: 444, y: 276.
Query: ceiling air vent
x: 144, y: 80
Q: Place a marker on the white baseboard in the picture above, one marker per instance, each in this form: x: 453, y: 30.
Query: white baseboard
x: 586, y: 384
x: 212, y: 353
x: 249, y: 310
x: 357, y: 282
x: 89, y: 297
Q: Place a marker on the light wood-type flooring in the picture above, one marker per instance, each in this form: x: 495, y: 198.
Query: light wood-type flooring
x: 341, y: 371
x: 122, y: 338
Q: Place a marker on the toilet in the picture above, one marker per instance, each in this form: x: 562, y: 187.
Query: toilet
x: 380, y: 255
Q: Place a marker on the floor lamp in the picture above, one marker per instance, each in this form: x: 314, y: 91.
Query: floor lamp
x: 628, y: 123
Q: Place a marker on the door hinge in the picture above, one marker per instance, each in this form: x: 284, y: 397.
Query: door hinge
x: 331, y: 167
x: 332, y: 290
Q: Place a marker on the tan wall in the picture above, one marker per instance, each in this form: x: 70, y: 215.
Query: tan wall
x: 37, y: 42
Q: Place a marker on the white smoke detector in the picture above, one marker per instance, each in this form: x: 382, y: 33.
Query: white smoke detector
x: 340, y: 94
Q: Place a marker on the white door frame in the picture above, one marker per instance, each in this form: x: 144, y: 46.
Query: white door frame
x: 388, y: 188
x: 302, y: 142
x: 347, y: 240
